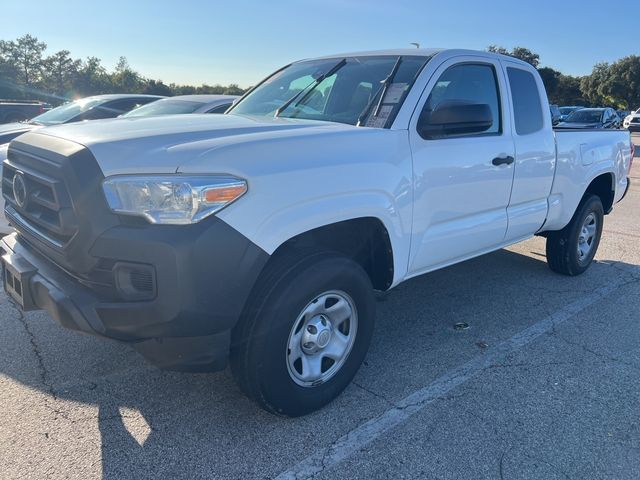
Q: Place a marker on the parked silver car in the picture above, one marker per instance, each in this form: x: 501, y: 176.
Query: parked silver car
x: 185, y: 104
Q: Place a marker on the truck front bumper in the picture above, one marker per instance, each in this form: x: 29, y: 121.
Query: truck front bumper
x: 202, y: 279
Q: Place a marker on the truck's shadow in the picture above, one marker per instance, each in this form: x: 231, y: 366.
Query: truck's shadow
x: 192, y: 426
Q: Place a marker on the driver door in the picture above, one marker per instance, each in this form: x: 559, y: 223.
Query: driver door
x: 462, y: 182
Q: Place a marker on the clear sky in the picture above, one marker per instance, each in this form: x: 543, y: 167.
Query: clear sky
x: 241, y: 41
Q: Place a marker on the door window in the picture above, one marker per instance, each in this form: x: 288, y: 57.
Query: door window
x: 527, y: 109
x: 469, y: 83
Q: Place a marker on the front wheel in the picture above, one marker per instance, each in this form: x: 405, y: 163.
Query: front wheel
x: 305, y: 333
x: 570, y: 251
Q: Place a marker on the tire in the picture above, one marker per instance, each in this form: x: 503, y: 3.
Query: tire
x: 566, y: 252
x: 265, y: 342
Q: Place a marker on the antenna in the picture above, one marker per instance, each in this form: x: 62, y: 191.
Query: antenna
x: 416, y: 44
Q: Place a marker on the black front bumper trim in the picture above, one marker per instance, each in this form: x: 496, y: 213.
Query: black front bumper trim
x: 205, y: 275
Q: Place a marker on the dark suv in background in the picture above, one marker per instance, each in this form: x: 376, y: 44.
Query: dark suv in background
x: 592, y: 118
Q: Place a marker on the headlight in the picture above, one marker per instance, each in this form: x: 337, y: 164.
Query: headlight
x: 172, y: 199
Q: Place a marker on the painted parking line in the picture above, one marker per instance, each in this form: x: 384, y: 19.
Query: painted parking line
x: 369, y: 431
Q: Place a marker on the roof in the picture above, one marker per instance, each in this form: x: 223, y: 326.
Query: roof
x: 202, y: 98
x: 117, y: 96
x: 423, y: 52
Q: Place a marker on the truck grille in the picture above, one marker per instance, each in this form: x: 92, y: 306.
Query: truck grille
x: 53, y: 197
x: 39, y: 203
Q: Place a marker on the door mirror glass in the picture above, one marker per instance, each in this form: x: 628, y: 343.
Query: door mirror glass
x: 455, y: 117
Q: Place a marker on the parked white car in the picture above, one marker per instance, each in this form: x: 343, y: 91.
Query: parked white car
x: 632, y: 122
x: 258, y: 237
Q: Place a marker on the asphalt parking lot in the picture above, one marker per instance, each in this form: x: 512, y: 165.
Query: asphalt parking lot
x: 544, y: 383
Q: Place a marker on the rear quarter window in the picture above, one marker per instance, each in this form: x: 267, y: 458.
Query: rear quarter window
x: 527, y: 109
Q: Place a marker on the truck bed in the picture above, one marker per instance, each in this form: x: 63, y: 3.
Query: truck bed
x: 581, y: 154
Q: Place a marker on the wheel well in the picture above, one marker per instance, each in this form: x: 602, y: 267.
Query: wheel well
x: 365, y: 240
x: 603, y: 187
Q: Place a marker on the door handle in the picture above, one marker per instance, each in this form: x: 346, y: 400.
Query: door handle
x: 508, y: 160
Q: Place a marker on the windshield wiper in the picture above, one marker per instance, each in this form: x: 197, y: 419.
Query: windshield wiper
x: 311, y: 87
x: 381, y: 91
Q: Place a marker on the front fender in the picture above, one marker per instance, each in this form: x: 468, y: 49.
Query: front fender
x: 300, y: 184
x: 274, y: 230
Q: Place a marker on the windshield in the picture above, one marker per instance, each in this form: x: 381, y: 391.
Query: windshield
x: 345, y: 95
x: 66, y: 112
x: 585, y: 116
x: 165, y: 107
x: 568, y: 110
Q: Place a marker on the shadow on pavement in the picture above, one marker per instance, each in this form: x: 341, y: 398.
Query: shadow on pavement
x: 200, y: 425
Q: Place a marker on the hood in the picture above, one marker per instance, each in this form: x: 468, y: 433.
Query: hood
x: 9, y: 131
x: 17, y: 127
x: 161, y: 144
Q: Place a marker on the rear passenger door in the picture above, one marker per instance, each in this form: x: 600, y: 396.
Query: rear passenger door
x: 535, y: 151
x: 462, y: 182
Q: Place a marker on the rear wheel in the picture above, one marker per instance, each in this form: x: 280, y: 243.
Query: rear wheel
x: 305, y: 333
x: 570, y: 251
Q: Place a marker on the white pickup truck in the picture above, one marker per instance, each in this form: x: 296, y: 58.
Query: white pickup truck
x: 257, y: 238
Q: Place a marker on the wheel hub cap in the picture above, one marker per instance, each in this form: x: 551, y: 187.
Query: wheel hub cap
x: 321, y: 338
x: 316, y: 335
x: 586, y: 239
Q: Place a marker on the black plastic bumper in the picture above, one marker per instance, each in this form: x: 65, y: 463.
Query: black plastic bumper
x: 203, y: 276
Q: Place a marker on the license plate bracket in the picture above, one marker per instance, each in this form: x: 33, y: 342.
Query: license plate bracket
x: 16, y: 279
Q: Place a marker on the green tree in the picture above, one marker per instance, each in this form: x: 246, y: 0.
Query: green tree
x: 593, y: 86
x: 26, y: 73
x: 526, y: 55
x: 60, y: 70
x: 26, y: 56
x: 92, y: 78
x: 8, y: 74
x: 518, y: 52
x: 182, y: 89
x: 551, y: 80
x: 157, y: 87
x: 568, y: 91
x: 623, y: 85
x: 125, y: 79
x: 233, y: 89
x: 498, y: 49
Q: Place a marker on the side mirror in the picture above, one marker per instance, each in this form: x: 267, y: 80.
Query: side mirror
x: 455, y: 118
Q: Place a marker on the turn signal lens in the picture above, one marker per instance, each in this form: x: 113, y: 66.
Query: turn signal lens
x: 224, y: 194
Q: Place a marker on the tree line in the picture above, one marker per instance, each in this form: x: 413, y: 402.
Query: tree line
x: 614, y: 84
x: 27, y: 73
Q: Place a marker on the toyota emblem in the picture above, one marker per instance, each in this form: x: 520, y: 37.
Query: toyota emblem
x: 20, y: 189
